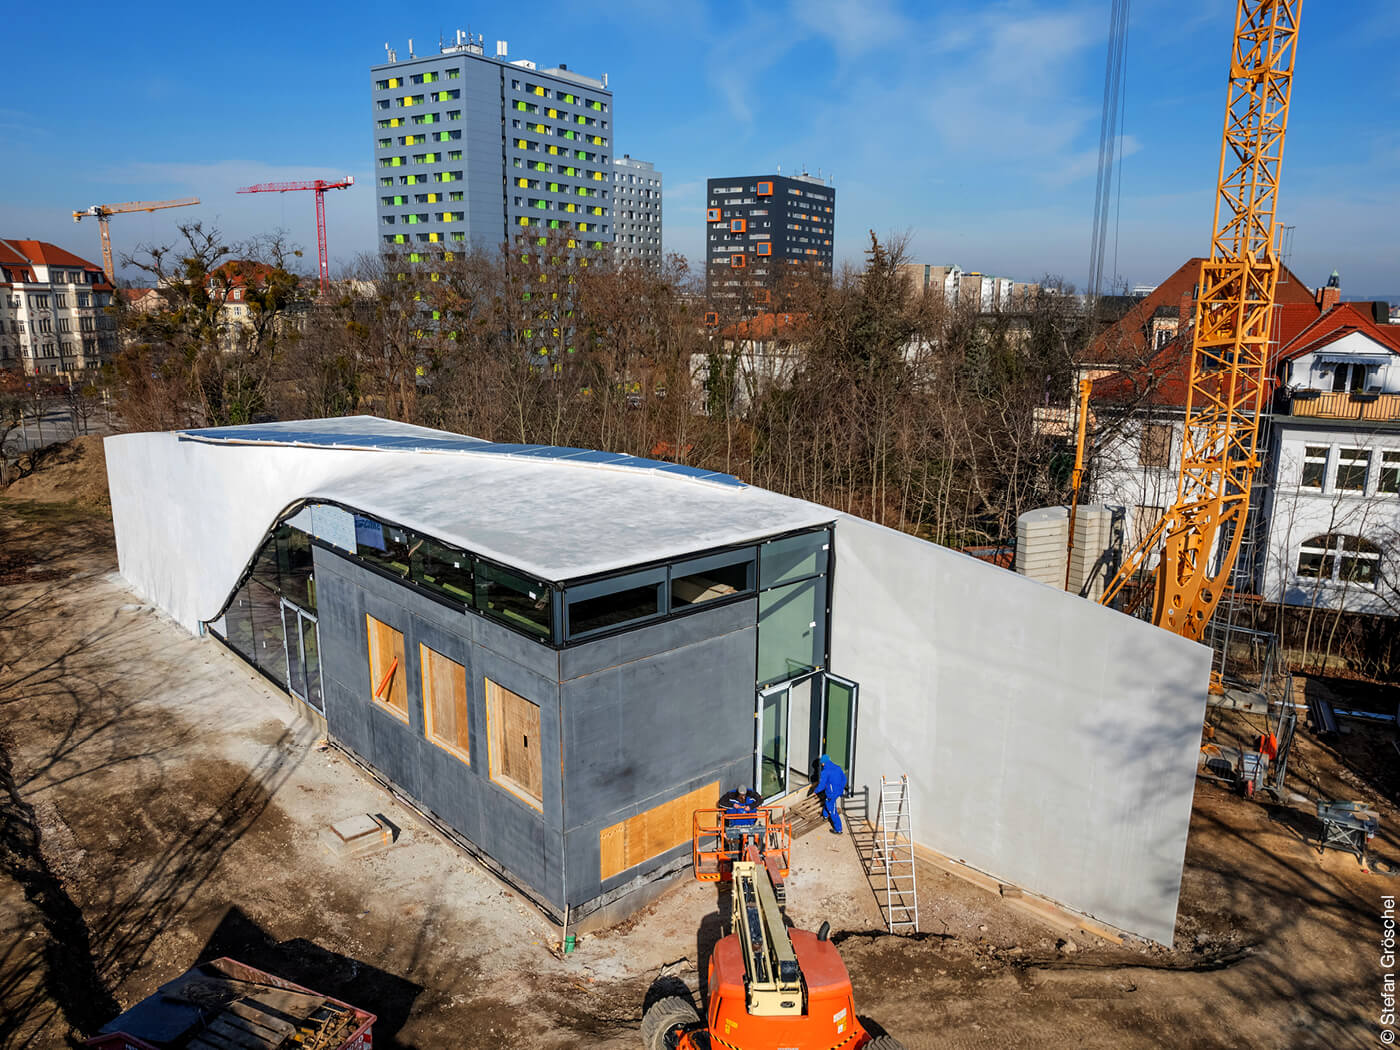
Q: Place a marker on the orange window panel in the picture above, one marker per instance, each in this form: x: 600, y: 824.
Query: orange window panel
x: 711, y: 318
x: 736, y: 261
x: 713, y: 215
x: 765, y: 189
x: 738, y: 225
x: 764, y: 249
x: 763, y: 295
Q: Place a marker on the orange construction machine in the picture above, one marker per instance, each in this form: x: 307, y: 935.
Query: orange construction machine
x: 770, y: 987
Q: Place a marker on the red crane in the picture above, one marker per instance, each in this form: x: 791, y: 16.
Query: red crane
x: 318, y: 187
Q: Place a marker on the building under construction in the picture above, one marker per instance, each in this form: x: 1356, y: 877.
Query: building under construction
x: 559, y: 654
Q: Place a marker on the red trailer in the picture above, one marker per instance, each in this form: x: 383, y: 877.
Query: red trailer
x: 227, y: 1005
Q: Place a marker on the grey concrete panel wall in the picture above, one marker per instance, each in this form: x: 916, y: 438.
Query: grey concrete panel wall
x: 524, y: 840
x: 591, y: 657
x: 1049, y: 741
x: 645, y: 731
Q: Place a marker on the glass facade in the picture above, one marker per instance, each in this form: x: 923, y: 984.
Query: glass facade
x: 792, y: 605
x: 792, y: 617
x: 271, y: 619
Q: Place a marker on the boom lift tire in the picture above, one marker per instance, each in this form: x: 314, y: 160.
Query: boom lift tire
x: 665, y: 1016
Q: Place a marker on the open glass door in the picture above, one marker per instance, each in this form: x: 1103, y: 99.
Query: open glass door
x: 771, y: 743
x: 296, y: 661
x: 839, y: 700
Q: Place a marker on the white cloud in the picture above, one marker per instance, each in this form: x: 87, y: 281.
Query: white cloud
x: 853, y: 28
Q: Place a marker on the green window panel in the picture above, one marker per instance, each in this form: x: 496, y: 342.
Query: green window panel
x: 459, y: 235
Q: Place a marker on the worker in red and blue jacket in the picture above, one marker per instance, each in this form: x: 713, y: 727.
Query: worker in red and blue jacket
x: 830, y: 786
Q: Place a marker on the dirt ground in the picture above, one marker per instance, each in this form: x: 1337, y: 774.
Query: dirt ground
x: 163, y: 804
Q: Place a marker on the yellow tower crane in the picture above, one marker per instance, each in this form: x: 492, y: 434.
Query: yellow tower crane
x: 102, y: 212
x: 1199, y: 535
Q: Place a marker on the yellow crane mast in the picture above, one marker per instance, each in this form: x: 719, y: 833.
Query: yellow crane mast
x: 103, y: 212
x: 1199, y: 535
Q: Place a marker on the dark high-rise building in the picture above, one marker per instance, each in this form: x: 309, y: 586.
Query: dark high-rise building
x: 757, y: 225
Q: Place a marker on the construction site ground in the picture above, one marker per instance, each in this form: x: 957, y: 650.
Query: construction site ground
x: 162, y: 804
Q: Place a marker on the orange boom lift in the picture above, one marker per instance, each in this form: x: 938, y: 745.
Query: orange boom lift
x: 770, y: 987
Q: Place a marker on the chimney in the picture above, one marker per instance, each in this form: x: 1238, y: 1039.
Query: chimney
x: 1330, y: 294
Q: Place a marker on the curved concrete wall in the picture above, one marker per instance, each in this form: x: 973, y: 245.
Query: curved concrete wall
x: 1049, y: 741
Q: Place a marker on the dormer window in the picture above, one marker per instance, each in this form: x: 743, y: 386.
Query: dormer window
x: 1353, y: 377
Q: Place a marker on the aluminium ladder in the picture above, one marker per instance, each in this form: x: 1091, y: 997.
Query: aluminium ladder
x: 894, y: 854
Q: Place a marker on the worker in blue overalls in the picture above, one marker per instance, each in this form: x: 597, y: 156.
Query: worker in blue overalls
x: 830, y: 786
x: 741, y: 813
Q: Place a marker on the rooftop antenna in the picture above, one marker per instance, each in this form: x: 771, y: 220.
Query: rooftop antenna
x: 389, y: 51
x: 410, y: 48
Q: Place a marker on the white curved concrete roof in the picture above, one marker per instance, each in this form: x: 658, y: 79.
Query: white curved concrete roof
x: 190, y: 509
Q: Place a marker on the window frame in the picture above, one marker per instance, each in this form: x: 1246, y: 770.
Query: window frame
x: 1333, y: 552
x: 380, y: 674
x: 1388, y: 476
x: 656, y: 578
x: 1312, y: 457
x: 495, y: 740
x: 1358, y: 457
x: 428, y: 656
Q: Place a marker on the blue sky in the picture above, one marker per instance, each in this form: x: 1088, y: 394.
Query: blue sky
x: 973, y: 127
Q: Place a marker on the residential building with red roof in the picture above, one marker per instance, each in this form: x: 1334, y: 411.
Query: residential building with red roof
x: 1327, y: 495
x: 53, y: 318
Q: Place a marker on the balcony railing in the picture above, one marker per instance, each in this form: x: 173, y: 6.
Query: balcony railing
x: 1376, y: 408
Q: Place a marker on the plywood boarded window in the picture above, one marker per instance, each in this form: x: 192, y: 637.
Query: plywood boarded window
x: 651, y: 832
x: 445, y: 702
x: 1155, y: 445
x: 387, y: 677
x: 513, y: 728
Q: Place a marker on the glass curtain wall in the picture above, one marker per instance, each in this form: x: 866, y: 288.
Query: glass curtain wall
x: 792, y: 604
x: 271, y: 619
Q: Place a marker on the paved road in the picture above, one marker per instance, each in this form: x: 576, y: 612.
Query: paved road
x: 57, y: 424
